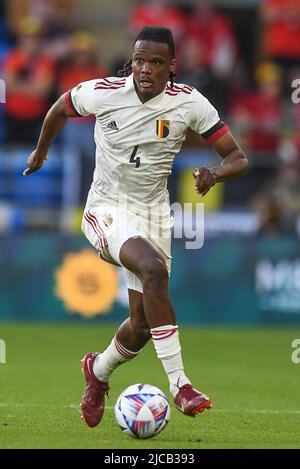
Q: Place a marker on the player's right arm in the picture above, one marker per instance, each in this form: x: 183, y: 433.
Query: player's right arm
x: 55, y: 120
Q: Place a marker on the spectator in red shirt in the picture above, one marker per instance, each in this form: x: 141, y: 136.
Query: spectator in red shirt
x: 56, y: 25
x: 192, y: 70
x: 157, y: 13
x: 82, y: 64
x: 216, y: 36
x: 29, y: 77
x: 258, y: 115
x: 218, y: 44
x: 281, y: 19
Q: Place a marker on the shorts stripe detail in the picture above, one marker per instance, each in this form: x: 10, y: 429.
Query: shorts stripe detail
x: 95, y: 228
x: 124, y: 351
x: 98, y: 226
x: 101, y: 245
x: 100, y: 234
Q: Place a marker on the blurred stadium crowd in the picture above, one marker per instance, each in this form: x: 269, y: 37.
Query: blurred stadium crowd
x: 242, y: 55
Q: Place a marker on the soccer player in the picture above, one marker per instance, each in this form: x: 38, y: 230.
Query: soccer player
x: 142, y: 119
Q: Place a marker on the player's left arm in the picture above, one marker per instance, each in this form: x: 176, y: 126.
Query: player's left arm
x: 233, y: 164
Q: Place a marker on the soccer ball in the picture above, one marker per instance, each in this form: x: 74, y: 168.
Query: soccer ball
x: 142, y: 411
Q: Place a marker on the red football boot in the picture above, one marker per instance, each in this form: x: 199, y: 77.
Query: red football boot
x: 92, y: 404
x: 190, y: 401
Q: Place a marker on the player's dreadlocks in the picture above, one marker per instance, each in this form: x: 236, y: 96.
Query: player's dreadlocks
x: 155, y: 34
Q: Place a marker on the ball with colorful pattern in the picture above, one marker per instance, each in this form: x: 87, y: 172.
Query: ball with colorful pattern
x: 142, y: 411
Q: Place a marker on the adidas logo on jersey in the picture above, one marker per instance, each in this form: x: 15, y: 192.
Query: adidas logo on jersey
x: 113, y: 125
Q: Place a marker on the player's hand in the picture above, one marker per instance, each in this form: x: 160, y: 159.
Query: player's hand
x: 204, y: 180
x: 34, y: 163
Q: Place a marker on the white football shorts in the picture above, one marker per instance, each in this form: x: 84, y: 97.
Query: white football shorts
x: 107, y: 226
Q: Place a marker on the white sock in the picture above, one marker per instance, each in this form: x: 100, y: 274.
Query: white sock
x: 168, y: 349
x: 111, y: 358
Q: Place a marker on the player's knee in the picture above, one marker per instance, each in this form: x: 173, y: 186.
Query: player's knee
x: 154, y: 274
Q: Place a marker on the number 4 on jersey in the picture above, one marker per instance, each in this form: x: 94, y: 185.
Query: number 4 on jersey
x: 134, y: 159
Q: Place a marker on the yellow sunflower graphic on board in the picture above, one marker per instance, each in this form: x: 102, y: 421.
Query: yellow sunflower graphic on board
x: 86, y: 284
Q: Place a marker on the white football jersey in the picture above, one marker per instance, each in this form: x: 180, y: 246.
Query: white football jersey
x: 136, y: 143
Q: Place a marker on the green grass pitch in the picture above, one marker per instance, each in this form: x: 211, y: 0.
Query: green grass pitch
x: 247, y: 372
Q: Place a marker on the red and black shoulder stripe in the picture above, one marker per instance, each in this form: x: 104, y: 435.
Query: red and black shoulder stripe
x: 215, y: 132
x: 70, y: 105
